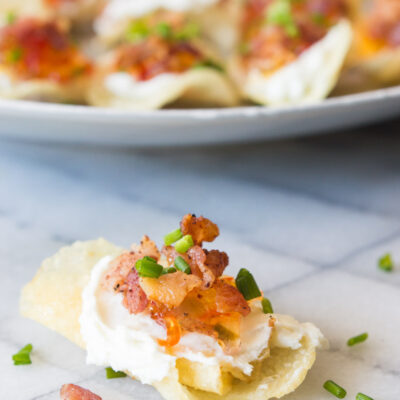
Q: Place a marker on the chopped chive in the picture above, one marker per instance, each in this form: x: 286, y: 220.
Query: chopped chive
x: 247, y: 285
x: 137, y: 31
x: 164, y: 30
x: 267, y: 306
x: 11, y: 17
x: 184, y: 244
x: 385, y: 263
x: 111, y: 374
x: 182, y: 265
x: 280, y: 13
x: 170, y: 270
x: 361, y: 396
x: 14, y: 55
x: 23, y: 356
x: 357, y: 339
x: 147, y: 267
x: 208, y: 64
x: 172, y: 237
x: 188, y: 32
x: 335, y: 389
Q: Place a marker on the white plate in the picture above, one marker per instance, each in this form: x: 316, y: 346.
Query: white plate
x: 66, y: 123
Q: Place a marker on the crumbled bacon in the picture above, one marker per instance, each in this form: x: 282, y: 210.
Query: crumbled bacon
x: 135, y: 299
x: 75, y: 392
x: 146, y: 248
x: 122, y: 277
x: 201, y: 229
x: 34, y: 49
x: 154, y: 56
x: 204, y: 301
x: 228, y: 299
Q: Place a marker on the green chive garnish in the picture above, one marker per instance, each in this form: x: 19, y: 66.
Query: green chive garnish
x: 188, y: 32
x: 280, y: 13
x: 147, y: 267
x: 357, y: 339
x: 182, y: 265
x: 23, y: 357
x: 137, y: 31
x: 385, y: 263
x: 335, y: 389
x: 247, y: 285
x: 172, y: 237
x: 111, y: 374
x: 184, y: 244
x: 14, y: 55
x: 11, y: 17
x: 361, y: 396
x: 267, y: 306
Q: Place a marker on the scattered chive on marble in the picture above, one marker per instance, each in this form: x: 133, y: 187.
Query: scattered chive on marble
x: 23, y: 357
x: 385, y: 263
x: 357, y: 339
x: 361, y: 396
x: 111, y: 374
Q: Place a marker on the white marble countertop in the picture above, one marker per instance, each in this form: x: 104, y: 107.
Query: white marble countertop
x: 309, y: 217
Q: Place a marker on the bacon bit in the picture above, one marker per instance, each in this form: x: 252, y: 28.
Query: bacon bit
x: 170, y: 254
x: 170, y: 289
x: 173, y: 332
x: 119, y: 270
x: 75, y: 392
x: 201, y: 229
x: 34, y: 49
x: 216, y: 261
x: 146, y: 248
x: 229, y: 299
x: 208, y: 265
x: 135, y: 299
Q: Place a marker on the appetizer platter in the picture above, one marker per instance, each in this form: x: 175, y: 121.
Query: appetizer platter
x: 171, y: 318
x: 122, y: 68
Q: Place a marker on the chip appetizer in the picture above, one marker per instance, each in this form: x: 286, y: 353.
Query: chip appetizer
x: 291, y: 52
x: 375, y: 56
x: 39, y: 61
x: 171, y: 318
x: 163, y: 60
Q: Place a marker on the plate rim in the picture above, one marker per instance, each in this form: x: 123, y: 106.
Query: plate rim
x: 37, y: 109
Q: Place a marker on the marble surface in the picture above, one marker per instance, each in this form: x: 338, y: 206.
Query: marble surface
x: 310, y: 218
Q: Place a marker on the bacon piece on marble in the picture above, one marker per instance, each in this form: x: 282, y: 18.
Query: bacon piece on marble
x: 75, y: 392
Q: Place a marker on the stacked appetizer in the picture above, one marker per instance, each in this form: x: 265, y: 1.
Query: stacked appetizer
x: 171, y: 318
x: 212, y: 52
